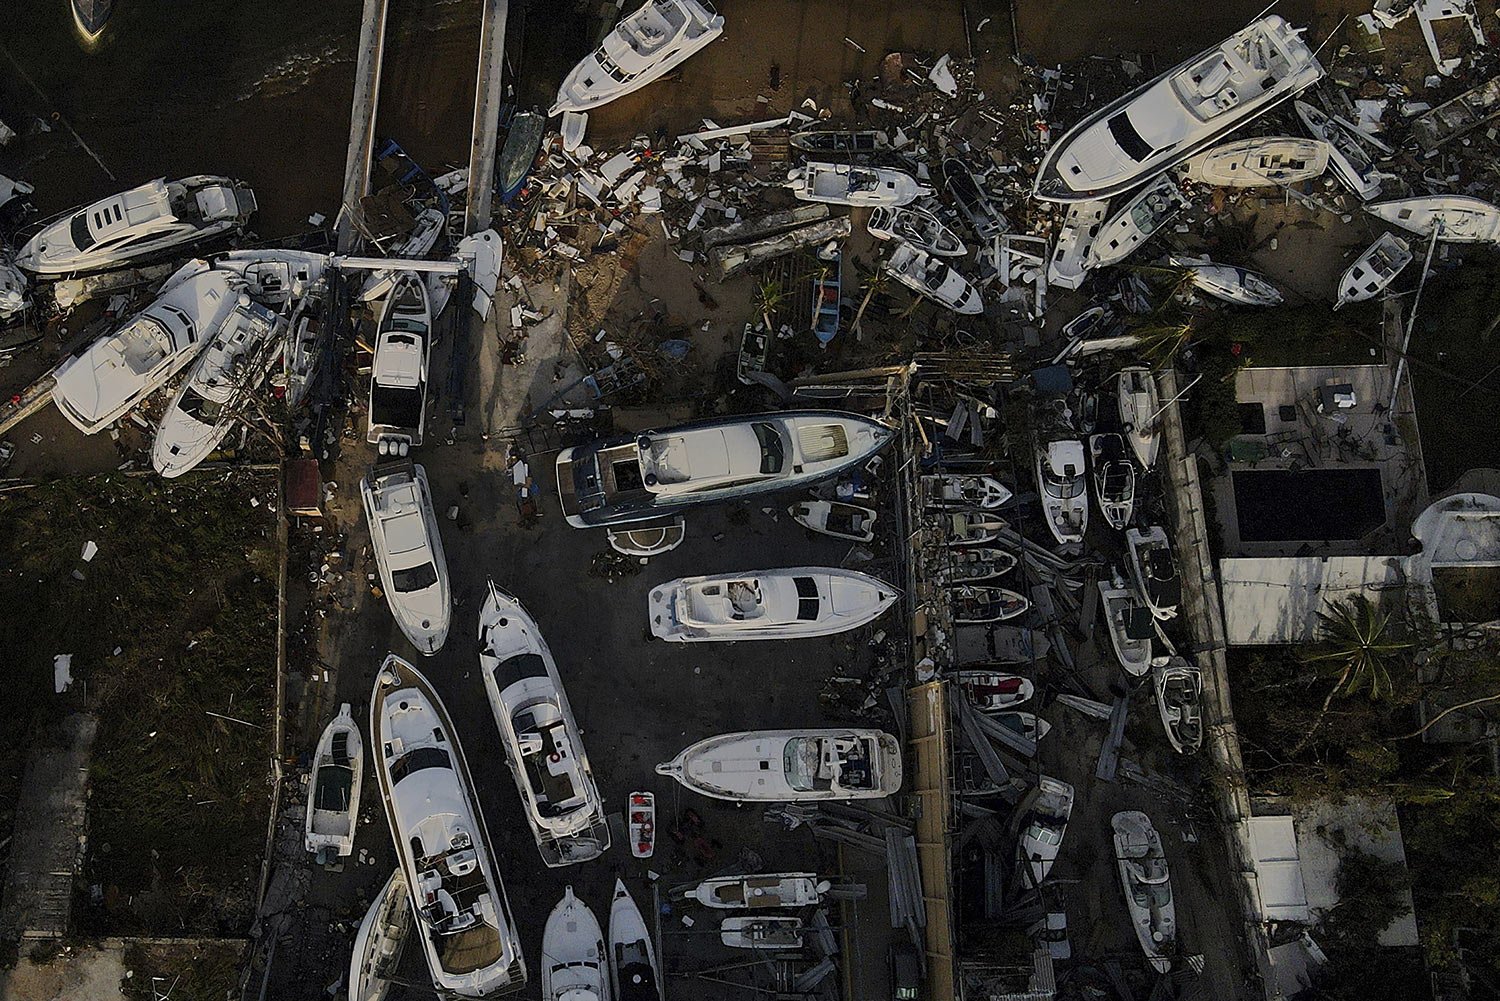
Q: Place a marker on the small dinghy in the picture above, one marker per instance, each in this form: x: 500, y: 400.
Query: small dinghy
x: 1261, y: 162
x: 1131, y: 625
x: 633, y: 969
x: 981, y: 605
x: 1069, y: 261
x: 992, y: 691
x: 933, y: 279
x: 640, y: 817
x: 1455, y: 218
x: 1064, y: 488
x: 841, y: 141
x: 984, y: 218
x: 916, y: 226
x: 1139, y: 412
x: 1028, y: 725
x: 835, y: 518
x: 1179, y: 700
x: 649, y: 539
x: 1114, y: 479
x: 409, y: 552
x: 790, y: 766
x: 771, y: 933
x: 430, y: 224
x: 1042, y: 839
x: 1140, y: 219
x: 787, y: 603
x: 846, y: 184
x: 972, y: 528
x: 573, y: 956
x: 1374, y: 270
x: 1228, y: 283
x: 965, y: 566
x: 828, y: 301
x: 1147, y: 883
x: 963, y: 490
x: 1154, y: 570
x: 380, y: 942
x: 1350, y: 162
x: 398, y: 379
x: 333, y: 798
x: 773, y: 890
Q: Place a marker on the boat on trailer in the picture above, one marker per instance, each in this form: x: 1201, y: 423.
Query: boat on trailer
x: 975, y: 605
x: 1261, y: 162
x: 766, y: 933
x: 966, y: 566
x: 1137, y: 221
x: 633, y: 969
x: 993, y: 691
x: 1042, y: 839
x: 1454, y: 218
x: 964, y: 490
x: 772, y: 890
x: 1139, y: 412
x: 380, y: 941
x: 835, y: 518
x: 916, y: 226
x: 1147, y: 882
x: 781, y: 604
x: 1114, y: 479
x: 643, y: 47
x: 1154, y: 570
x: 1374, y: 270
x: 333, y: 790
x: 1350, y: 162
x: 573, y: 956
x: 409, y: 552
x: 933, y: 278
x: 1070, y: 255
x: 397, y: 415
x: 848, y: 184
x: 1131, y: 623
x: 1179, y: 700
x: 790, y: 766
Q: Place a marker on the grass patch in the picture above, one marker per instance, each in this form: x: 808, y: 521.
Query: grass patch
x: 1311, y: 334
x: 206, y: 971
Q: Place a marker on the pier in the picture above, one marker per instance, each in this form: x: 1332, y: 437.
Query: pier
x: 488, y: 96
x: 362, y: 120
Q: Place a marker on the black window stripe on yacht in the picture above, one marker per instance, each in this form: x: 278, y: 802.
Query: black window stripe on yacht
x: 1129, y: 139
x: 420, y: 759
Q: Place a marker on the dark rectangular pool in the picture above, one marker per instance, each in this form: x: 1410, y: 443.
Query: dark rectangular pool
x: 1311, y: 505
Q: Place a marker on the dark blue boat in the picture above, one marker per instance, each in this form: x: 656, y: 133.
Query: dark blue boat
x: 519, y: 153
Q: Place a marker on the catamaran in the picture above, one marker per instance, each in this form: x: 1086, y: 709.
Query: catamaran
x: 1374, y: 270
x: 643, y: 47
x: 333, y: 787
x: 1154, y: 570
x: 847, y: 184
x: 933, y: 278
x: 409, y: 552
x: 1147, y: 883
x: 916, y: 226
x: 787, y: 766
x: 789, y: 603
x: 1114, y: 479
x: 1042, y: 839
x: 398, y: 379
x: 1261, y: 162
x: 633, y: 969
x: 1139, y: 412
x: 573, y: 957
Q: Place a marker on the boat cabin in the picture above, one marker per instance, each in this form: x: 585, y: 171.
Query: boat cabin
x: 824, y: 763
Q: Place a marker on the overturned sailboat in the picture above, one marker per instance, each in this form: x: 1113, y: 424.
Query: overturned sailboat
x: 785, y: 766
x: 1350, y: 162
x: 643, y: 47
x: 1229, y: 282
x: 409, y: 552
x: 789, y: 603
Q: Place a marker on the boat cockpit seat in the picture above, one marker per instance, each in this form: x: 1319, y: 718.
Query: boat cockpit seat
x: 1210, y: 76
x: 462, y: 863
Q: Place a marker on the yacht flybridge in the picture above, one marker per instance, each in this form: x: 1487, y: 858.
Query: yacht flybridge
x: 462, y: 915
x: 619, y: 480
x: 785, y: 766
x: 409, y: 552
x: 643, y: 47
x: 781, y: 604
x: 1181, y: 112
x: 540, y: 734
x: 398, y: 381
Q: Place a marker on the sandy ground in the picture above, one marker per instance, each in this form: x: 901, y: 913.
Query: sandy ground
x: 83, y: 975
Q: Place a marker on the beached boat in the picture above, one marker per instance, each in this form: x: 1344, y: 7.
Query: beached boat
x: 1023, y: 724
x: 633, y: 970
x: 573, y: 957
x: 380, y: 942
x: 974, y: 605
x: 772, y: 890
x: 409, y: 552
x: 767, y: 933
x: 965, y: 566
x: 1181, y: 112
x: 540, y: 734
x: 1064, y: 488
x: 933, y: 278
x: 643, y: 47
x: 640, y: 820
x: 1261, y: 162
x: 993, y: 691
x: 972, y: 528
x: 397, y: 415
x: 786, y: 766
x: 158, y: 218
x: 1140, y: 412
x: 120, y: 369
x: 91, y: 16
x: 338, y: 767
x: 1114, y: 479
x: 1349, y: 160
x: 1431, y: 13
x: 827, y: 301
x: 429, y: 226
x: 789, y: 603
x: 1141, y: 218
x: 986, y: 220
x: 847, y: 184
x: 841, y: 141
x: 1179, y: 700
x: 835, y: 518
x: 1070, y: 255
x: 648, y: 539
x: 1131, y: 625
x: 965, y: 490
x: 1042, y: 839
x: 1374, y: 270
x: 657, y: 473
x: 274, y: 277
x: 1147, y: 883
x: 916, y: 226
x: 306, y: 340
x: 1154, y: 570
x: 482, y: 253
x: 1455, y: 218
x: 468, y: 935
x: 517, y: 156
x: 1228, y: 282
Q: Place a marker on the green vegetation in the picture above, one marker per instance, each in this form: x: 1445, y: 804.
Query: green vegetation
x: 1371, y: 896
x: 208, y: 971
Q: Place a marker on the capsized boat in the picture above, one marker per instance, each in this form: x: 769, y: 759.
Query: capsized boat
x: 1374, y: 270
x: 640, y: 820
x: 1260, y: 162
x: 1131, y: 625
x: 380, y: 941
x: 619, y: 480
x: 984, y: 218
x: 398, y: 378
x: 788, y: 603
x: 1147, y: 883
x: 785, y: 766
x: 964, y: 490
x: 835, y: 518
x: 965, y: 566
x: 916, y: 226
x: 518, y: 154
x: 1154, y: 570
x: 1142, y: 216
x: 1070, y: 255
x: 1228, y: 282
x: 932, y: 278
x: 1350, y: 162
x: 409, y: 552
x: 643, y: 47
x: 1042, y: 839
x: 1139, y: 412
x: 841, y: 141
x: 1455, y: 218
x: 1064, y: 488
x: 633, y: 969
x: 145, y: 222
x: 1179, y: 700
x: 540, y: 734
x: 466, y: 929
x: 428, y: 227
x: 973, y: 605
x: 767, y: 933
x: 1114, y: 479
x: 573, y: 957
x: 992, y: 691
x: 1186, y: 109
x: 773, y: 890
x: 1028, y: 725
x: 333, y: 790
x: 847, y: 184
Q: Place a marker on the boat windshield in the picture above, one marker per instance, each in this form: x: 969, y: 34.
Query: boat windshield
x: 800, y: 760
x: 419, y: 760
x: 414, y: 578
x: 1129, y: 139
x: 1064, y: 486
x: 772, y: 451
x: 79, y: 228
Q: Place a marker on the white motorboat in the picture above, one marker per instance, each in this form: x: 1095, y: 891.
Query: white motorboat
x: 1070, y: 255
x: 1261, y: 162
x: 333, y: 789
x: 972, y: 200
x: 964, y: 490
x: 1131, y: 625
x: 1455, y: 218
x: 974, y: 605
x: 640, y: 821
x: 788, y: 603
x: 1350, y: 162
x: 648, y: 539
x: 835, y: 518
x: 658, y: 473
x: 150, y: 221
x: 847, y: 184
x: 916, y: 226
x: 767, y: 933
x: 428, y: 226
x: 380, y: 942
x: 468, y: 935
x: 1029, y: 726
x: 1154, y: 570
x: 1431, y: 13
x: 966, y: 566
x: 1139, y: 412
x: 787, y: 766
x: 1064, y: 488
x: 1114, y: 479
x: 1147, y: 883
x: 409, y: 552
x: 273, y: 277
x: 1142, y: 216
x: 540, y: 734
x: 841, y: 141
x: 1186, y: 109
x: 1179, y: 700
x: 306, y: 340
x: 214, y: 395
x: 573, y: 957
x: 633, y: 969
x: 1374, y: 270
x: 1042, y: 839
x: 398, y: 378
x: 751, y: 893
x: 131, y: 362
x: 482, y: 253
x: 1228, y: 282
x: 932, y: 278
x: 972, y: 528
x: 643, y: 47
x: 993, y: 691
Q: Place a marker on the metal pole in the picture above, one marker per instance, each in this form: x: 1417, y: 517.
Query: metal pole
x: 362, y: 118
x: 488, y: 92
x: 1411, y: 321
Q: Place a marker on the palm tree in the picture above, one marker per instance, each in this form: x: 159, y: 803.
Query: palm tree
x: 1357, y: 650
x: 1159, y: 337
x: 768, y: 297
x: 876, y: 282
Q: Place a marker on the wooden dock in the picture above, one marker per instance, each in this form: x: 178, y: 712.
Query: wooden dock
x: 362, y: 120
x: 489, y: 95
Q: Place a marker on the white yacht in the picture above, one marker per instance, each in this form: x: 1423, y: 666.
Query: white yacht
x: 1261, y: 162
x: 1142, y: 216
x: 974, y: 491
x: 463, y: 917
x: 966, y: 566
x: 772, y: 890
x: 1131, y: 625
x: 1348, y: 158
x: 398, y: 378
x: 333, y: 786
x: 1374, y: 270
x: 633, y: 969
x: 409, y: 552
x: 122, y: 368
x: 1228, y: 282
x: 933, y: 278
x: 657, y: 473
x: 1114, y: 479
x: 916, y: 226
x: 1154, y: 570
x: 837, y: 519
x: 1070, y: 255
x: 763, y: 932
x: 380, y: 942
x: 429, y: 225
x: 1147, y: 883
x: 789, y: 603
x: 643, y: 47
x: 976, y: 605
x: 215, y: 393
x: 1179, y: 700
x: 540, y: 734
x: 1139, y: 406
x: 848, y: 184
x: 1183, y: 111
x: 152, y: 220
x: 786, y: 766
x: 1042, y: 839
x: 574, y: 963
x: 1064, y: 488
x: 1455, y: 218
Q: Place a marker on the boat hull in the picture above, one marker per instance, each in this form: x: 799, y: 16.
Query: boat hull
x: 745, y: 765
